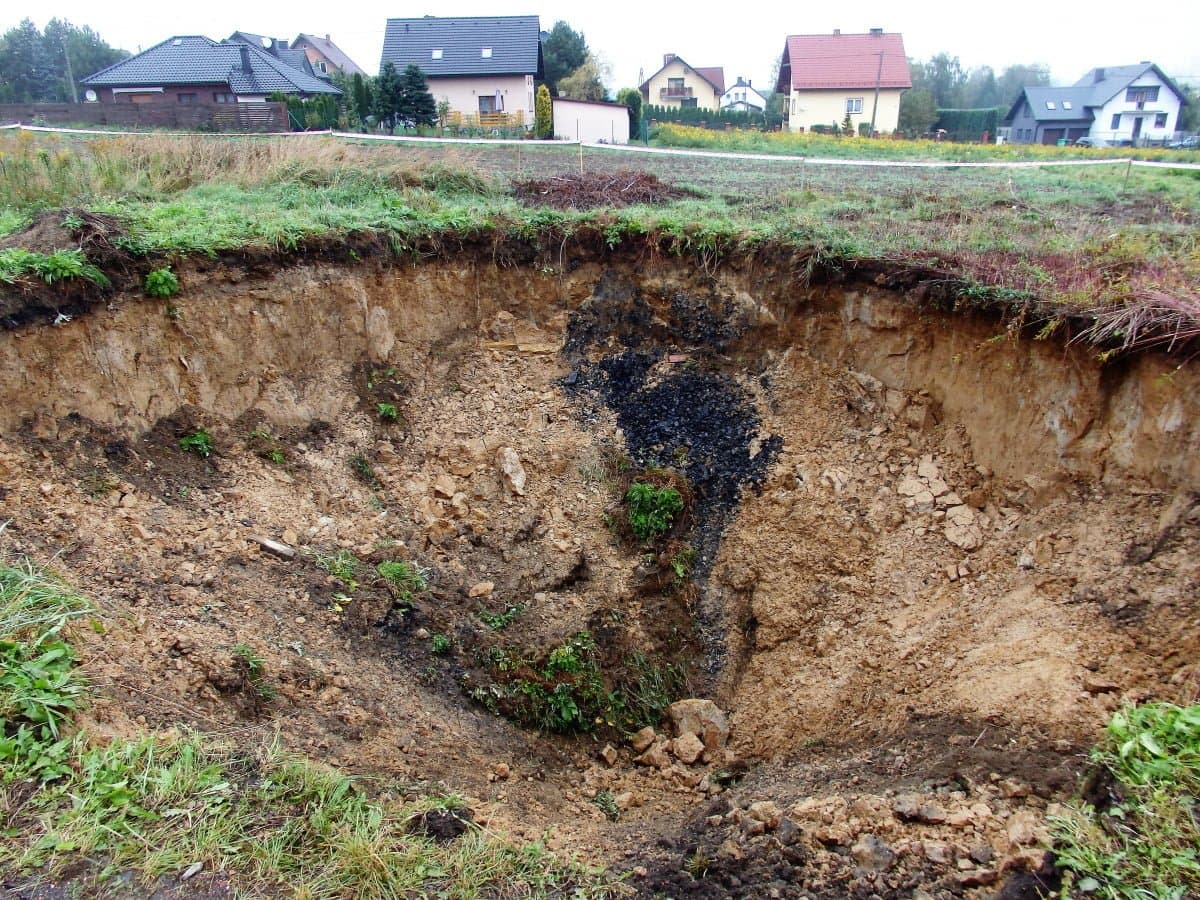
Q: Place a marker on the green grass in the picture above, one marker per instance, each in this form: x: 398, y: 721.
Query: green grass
x: 405, y: 578
x: 1147, y: 843
x: 80, y: 812
x: 1060, y: 235
x: 652, y: 509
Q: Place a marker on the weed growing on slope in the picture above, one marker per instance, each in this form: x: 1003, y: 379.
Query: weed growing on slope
x: 161, y: 283
x: 652, y: 509
x: 1142, y: 838
x: 199, y: 442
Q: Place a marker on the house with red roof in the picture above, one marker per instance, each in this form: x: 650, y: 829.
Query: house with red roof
x: 827, y: 76
x: 680, y: 85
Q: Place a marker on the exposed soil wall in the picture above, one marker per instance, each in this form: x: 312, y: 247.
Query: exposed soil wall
x: 1025, y: 404
x: 930, y: 552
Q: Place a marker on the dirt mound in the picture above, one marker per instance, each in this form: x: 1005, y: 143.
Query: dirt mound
x: 591, y: 190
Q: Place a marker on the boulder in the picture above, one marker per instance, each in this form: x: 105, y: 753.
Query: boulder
x: 701, y: 718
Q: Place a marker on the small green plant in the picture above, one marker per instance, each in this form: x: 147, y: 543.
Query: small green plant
x: 388, y: 412
x: 162, y: 283
x: 682, y: 563
x: 405, y: 578
x: 698, y: 865
x: 342, y: 565
x: 266, y: 446
x: 99, y: 483
x: 253, y: 669
x: 363, y: 470
x: 439, y: 645
x: 500, y: 621
x: 1146, y: 841
x: 607, y: 804
x: 199, y: 442
x: 652, y: 509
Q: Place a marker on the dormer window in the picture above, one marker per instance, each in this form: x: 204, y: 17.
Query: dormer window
x: 1066, y: 104
x: 1049, y: 104
x: 436, y: 54
x: 486, y: 53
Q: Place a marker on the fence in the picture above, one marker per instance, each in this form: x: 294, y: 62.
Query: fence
x: 194, y: 117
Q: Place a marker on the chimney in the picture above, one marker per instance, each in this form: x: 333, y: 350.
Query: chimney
x: 327, y: 37
x: 837, y: 31
x: 667, y: 57
x: 245, y: 50
x: 876, y: 32
x: 1099, y: 76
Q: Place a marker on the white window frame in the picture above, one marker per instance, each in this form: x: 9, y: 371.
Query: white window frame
x: 854, y: 105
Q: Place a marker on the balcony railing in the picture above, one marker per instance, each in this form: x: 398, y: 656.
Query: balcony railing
x: 674, y: 93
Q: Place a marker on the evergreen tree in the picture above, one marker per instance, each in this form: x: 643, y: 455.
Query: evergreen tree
x: 417, y: 106
x: 360, y: 95
x: 26, y: 70
x: 543, y: 114
x: 632, y: 98
x: 563, y: 51
x: 388, y: 90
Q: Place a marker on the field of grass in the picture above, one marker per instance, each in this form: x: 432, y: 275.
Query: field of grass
x: 828, y: 146
x: 157, y: 806
x: 1092, y: 238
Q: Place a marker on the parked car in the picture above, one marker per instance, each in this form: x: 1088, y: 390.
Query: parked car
x: 1188, y: 143
x: 1086, y: 141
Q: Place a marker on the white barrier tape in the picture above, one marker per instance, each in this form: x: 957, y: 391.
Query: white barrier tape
x: 634, y: 148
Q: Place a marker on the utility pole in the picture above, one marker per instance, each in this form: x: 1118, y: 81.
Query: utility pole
x: 70, y: 74
x: 875, y: 106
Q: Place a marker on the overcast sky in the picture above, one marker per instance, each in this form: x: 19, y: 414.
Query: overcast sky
x: 1069, y: 37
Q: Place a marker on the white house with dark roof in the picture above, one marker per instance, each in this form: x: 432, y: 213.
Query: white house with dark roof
x: 1109, y: 105
x: 195, y: 70
x: 484, y: 66
x: 741, y: 96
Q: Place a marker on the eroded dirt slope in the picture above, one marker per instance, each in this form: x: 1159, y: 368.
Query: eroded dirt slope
x: 930, y: 557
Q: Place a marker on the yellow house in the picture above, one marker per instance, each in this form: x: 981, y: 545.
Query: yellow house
x: 827, y: 76
x: 679, y: 85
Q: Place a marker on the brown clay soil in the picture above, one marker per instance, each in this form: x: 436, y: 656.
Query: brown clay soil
x: 932, y: 556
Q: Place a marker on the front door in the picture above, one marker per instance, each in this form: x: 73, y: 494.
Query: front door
x: 1137, y: 128
x: 487, y: 103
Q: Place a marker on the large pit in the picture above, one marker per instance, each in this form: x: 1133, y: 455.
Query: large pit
x: 931, y: 553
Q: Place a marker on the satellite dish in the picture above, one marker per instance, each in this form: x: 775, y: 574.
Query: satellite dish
x: 89, y: 96
x: 267, y: 43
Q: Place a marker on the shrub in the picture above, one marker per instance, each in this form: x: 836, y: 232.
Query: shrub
x: 199, y: 442
x: 543, y: 114
x: 405, y: 578
x: 161, y: 283
x: 652, y: 509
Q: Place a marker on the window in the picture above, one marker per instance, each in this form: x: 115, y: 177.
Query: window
x: 323, y: 67
x: 1141, y: 94
x: 1160, y: 120
x: 486, y: 53
x: 224, y: 98
x: 1067, y: 104
x: 1050, y: 104
x: 186, y: 99
x: 687, y: 102
x: 854, y: 104
x: 1116, y: 122
x: 436, y: 53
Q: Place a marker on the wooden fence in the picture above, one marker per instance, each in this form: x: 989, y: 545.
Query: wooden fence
x: 187, y: 117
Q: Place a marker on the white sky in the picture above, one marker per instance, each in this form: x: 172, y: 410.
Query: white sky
x: 1070, y: 37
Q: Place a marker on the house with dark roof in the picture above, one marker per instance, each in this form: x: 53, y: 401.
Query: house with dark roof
x: 325, y: 56
x: 193, y: 69
x: 683, y: 86
x: 829, y: 76
x: 276, y: 47
x: 741, y: 96
x: 482, y: 67
x: 1121, y: 105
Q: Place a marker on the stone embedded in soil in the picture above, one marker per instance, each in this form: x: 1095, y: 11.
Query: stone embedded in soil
x: 910, y: 487
x: 511, y: 470
x: 701, y: 718
x: 914, y: 808
x: 687, y: 748
x: 642, y: 740
x: 445, y: 486
x: 872, y: 854
x: 655, y: 755
x: 767, y: 812
x: 609, y: 755
x: 482, y: 589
